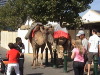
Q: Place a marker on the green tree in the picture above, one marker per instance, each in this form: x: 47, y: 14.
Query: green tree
x: 15, y: 12
x: 60, y: 10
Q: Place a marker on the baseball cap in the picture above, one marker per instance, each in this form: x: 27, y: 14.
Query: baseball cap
x: 80, y: 32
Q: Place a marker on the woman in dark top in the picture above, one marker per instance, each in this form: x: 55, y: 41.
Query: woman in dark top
x: 21, y: 48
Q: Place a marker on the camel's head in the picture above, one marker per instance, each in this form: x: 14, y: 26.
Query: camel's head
x: 49, y: 28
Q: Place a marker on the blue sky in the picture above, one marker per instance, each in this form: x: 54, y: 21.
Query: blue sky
x: 95, y: 5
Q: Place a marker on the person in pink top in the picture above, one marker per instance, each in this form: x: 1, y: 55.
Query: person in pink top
x: 78, y: 57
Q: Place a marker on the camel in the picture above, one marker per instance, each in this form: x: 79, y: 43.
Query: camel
x: 39, y: 40
x: 46, y: 35
x: 62, y: 39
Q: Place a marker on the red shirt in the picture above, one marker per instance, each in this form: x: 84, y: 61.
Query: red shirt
x: 13, y: 56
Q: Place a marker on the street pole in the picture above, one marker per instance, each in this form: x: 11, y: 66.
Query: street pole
x: 95, y: 65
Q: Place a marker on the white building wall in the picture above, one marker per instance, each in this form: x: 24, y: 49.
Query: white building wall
x: 91, y: 16
x: 28, y: 47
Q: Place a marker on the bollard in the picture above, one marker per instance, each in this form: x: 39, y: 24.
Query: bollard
x: 65, y: 61
x: 55, y: 59
x: 95, y: 65
x: 46, y: 56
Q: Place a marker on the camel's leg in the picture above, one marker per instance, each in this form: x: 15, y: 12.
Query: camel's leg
x: 65, y: 45
x: 37, y: 52
x: 34, y: 55
x: 69, y: 47
x: 42, y: 49
x: 34, y: 58
x: 50, y: 48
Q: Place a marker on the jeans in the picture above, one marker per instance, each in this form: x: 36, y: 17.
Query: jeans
x: 11, y: 66
x: 21, y: 66
x: 78, y: 68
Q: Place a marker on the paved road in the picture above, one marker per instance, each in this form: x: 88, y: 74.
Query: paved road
x: 40, y: 71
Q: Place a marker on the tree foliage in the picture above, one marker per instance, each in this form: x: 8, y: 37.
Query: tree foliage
x: 15, y: 12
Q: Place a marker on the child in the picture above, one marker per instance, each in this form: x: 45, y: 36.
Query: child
x: 78, y: 56
x: 13, y: 56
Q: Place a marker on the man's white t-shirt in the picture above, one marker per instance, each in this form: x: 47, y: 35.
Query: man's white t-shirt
x: 94, y: 41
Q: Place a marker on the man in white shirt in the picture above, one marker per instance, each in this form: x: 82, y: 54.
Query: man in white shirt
x: 81, y: 35
x: 94, y: 48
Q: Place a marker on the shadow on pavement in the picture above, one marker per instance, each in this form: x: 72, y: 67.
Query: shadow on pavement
x: 36, y: 74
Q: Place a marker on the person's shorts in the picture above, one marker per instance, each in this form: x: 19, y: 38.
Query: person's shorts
x: 91, y: 57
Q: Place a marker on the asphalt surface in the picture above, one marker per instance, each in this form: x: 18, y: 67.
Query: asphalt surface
x: 49, y: 70
x: 28, y: 70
